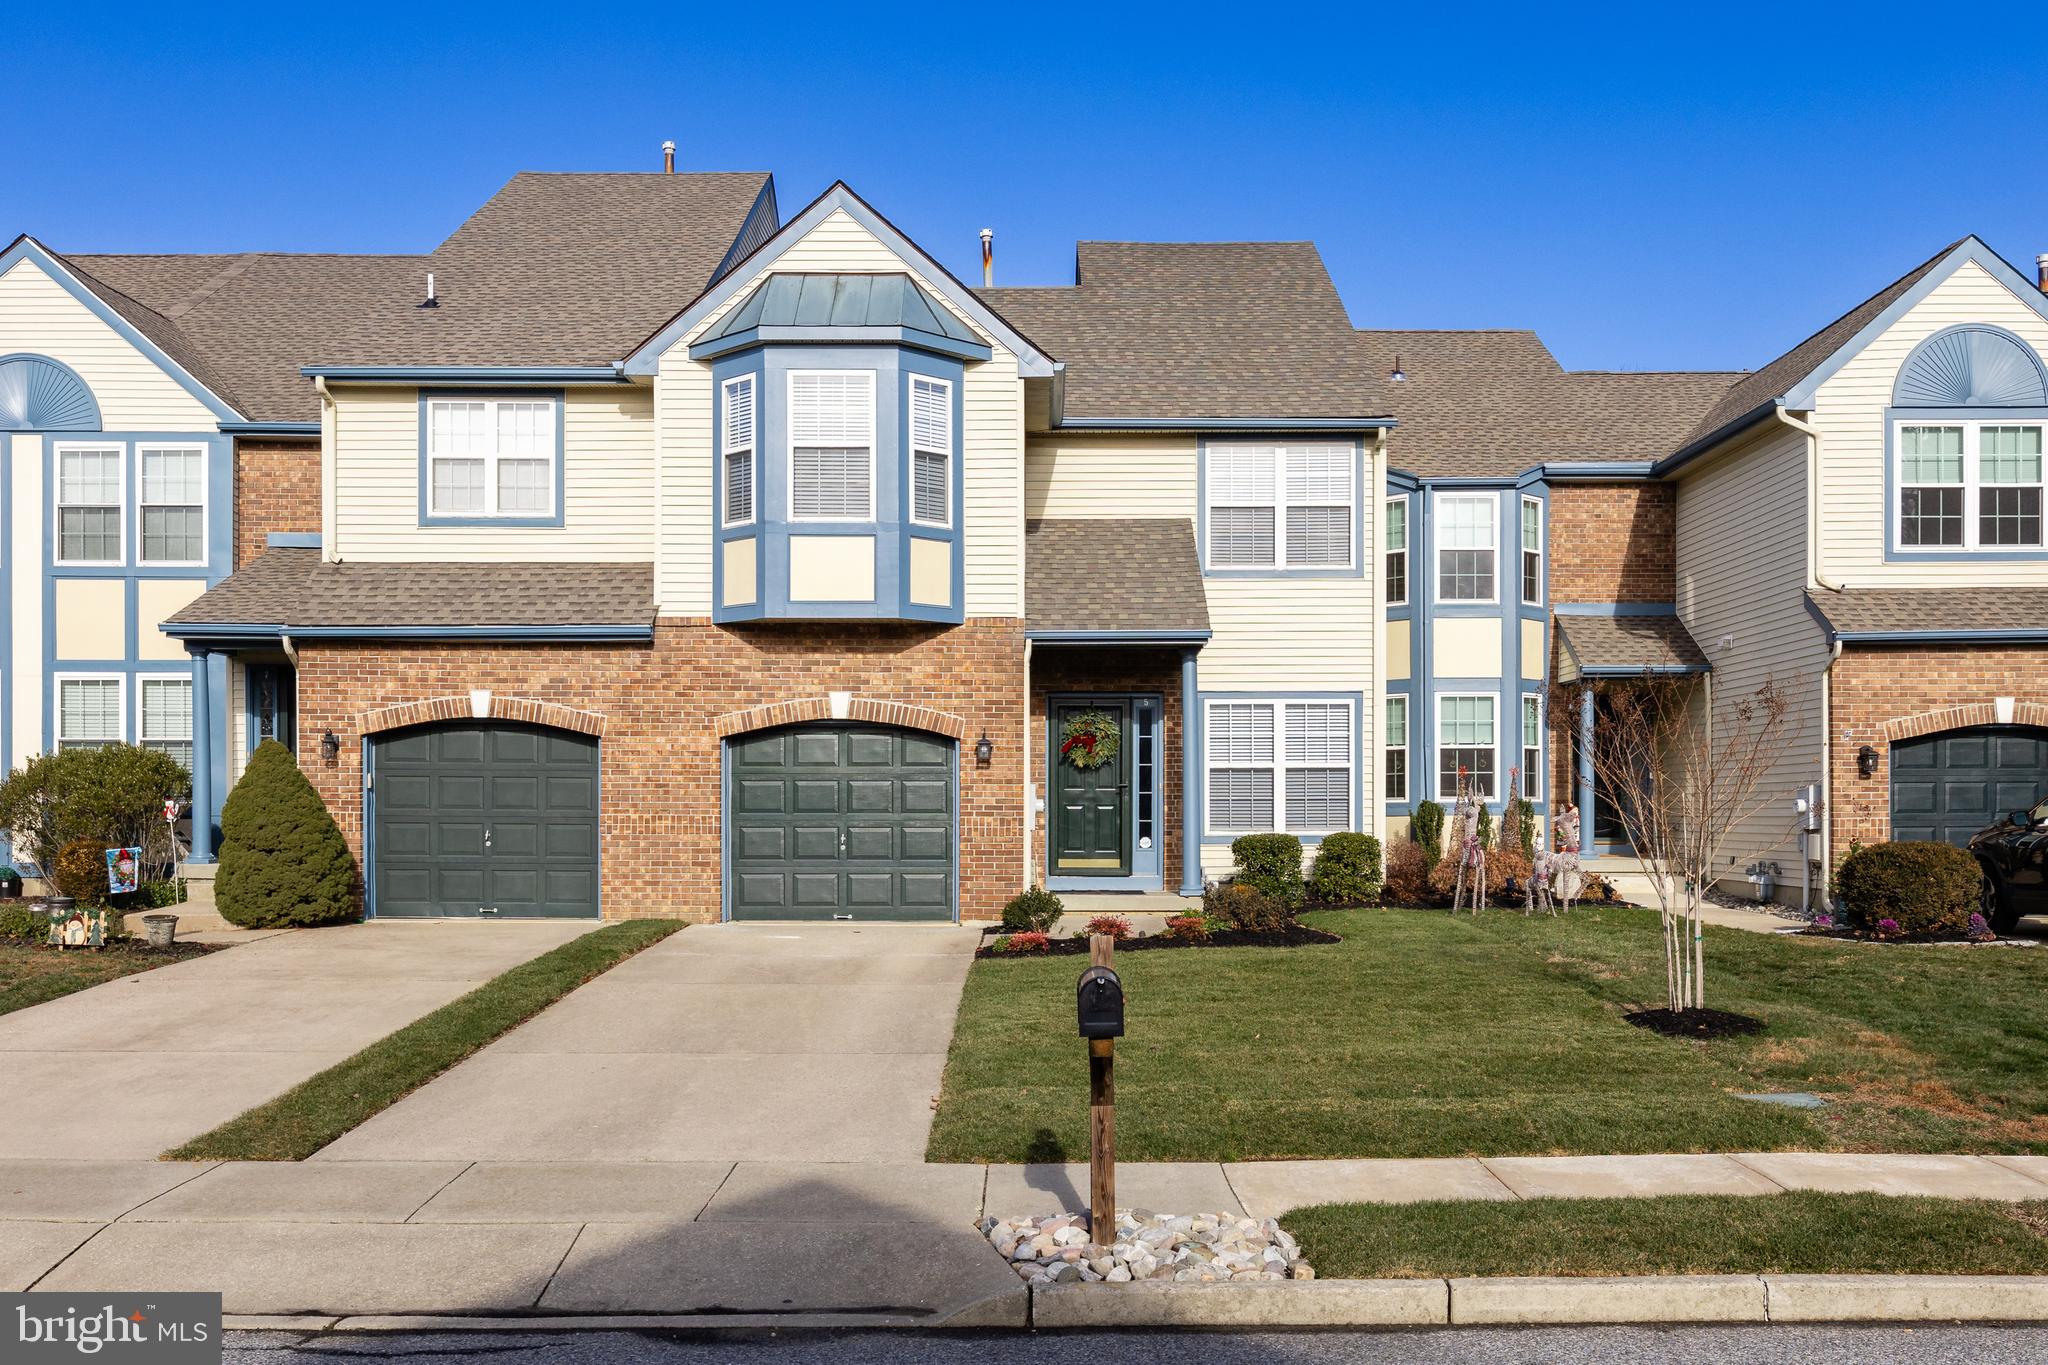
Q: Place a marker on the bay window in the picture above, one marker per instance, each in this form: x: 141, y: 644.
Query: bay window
x: 832, y: 445
x: 1279, y: 766
x: 741, y: 416
x: 1397, y: 552
x: 1969, y: 486
x: 1396, y: 762
x: 1279, y: 507
x: 492, y: 458
x: 1467, y: 541
x: 931, y: 451
x: 1532, y: 748
x: 1532, y: 551
x: 1467, y: 745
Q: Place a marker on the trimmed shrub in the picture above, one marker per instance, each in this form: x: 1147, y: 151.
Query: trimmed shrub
x: 113, y: 795
x: 283, y: 861
x: 1240, y: 905
x: 1427, y: 829
x: 1407, y: 882
x: 1346, y: 870
x: 1927, y: 889
x: 1037, y: 909
x: 19, y: 924
x: 1116, y: 926
x: 1272, y: 863
x: 1030, y: 941
x: 80, y: 871
x: 1193, y: 928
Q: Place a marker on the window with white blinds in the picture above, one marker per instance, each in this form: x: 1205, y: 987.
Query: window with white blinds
x: 832, y: 445
x: 173, y: 504
x: 89, y: 504
x: 164, y: 706
x: 1279, y: 506
x: 491, y: 457
x: 89, y: 712
x: 740, y: 419
x: 1279, y: 765
x: 931, y: 451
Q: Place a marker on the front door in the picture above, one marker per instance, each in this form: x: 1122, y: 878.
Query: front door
x: 1091, y: 804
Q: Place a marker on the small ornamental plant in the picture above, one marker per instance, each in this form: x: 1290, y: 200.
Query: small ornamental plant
x: 1037, y: 909
x: 1192, y: 928
x: 1030, y: 941
x: 1116, y: 926
x: 1980, y: 929
x: 1823, y: 920
x: 1887, y: 928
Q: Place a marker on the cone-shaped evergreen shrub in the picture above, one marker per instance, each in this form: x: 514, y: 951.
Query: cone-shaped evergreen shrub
x: 283, y: 861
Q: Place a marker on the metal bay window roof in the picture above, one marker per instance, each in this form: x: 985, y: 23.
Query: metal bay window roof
x: 890, y: 308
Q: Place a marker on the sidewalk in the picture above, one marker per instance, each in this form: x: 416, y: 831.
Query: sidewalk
x: 822, y: 1243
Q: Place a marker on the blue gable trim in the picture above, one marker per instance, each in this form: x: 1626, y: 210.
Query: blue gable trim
x: 1032, y: 363
x: 29, y: 248
x: 1231, y: 424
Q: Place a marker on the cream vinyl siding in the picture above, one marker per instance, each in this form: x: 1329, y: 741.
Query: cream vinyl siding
x: 1742, y: 574
x: 1072, y: 475
x: 608, y: 482
x: 991, y: 462
x: 238, y: 719
x: 39, y: 315
x: 1849, y: 415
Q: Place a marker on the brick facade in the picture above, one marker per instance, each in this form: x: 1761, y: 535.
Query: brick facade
x: 1613, y: 542
x: 1886, y: 693
x: 661, y: 708
x: 1083, y: 670
x: 277, y: 488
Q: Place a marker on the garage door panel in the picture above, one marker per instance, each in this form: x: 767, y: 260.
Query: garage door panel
x: 406, y: 837
x: 569, y: 887
x: 1947, y: 786
x: 560, y: 839
x: 1914, y: 798
x: 842, y: 840
x: 406, y: 792
x: 458, y: 746
x: 519, y: 792
x: 569, y: 793
x: 458, y: 791
x: 455, y: 839
x: 515, y: 838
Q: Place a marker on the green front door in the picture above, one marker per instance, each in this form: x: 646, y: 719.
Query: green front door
x: 476, y: 818
x: 1091, y: 806
x: 840, y: 822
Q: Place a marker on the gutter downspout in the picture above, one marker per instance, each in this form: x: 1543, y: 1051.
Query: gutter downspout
x: 1827, y: 673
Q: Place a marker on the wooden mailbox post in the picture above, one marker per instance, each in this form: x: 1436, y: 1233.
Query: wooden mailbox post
x: 1100, y: 1006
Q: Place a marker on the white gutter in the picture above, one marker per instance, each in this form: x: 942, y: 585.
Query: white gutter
x: 1812, y: 436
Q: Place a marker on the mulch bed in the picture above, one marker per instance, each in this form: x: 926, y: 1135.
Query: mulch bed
x: 1298, y: 936
x: 1696, y: 1023
x: 1842, y: 931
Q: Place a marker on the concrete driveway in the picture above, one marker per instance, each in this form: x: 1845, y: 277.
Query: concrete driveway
x: 138, y: 1065
x: 724, y: 1043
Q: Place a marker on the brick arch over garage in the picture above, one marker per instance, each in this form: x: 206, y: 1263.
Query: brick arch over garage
x: 463, y: 706
x: 1963, y: 717
x: 874, y: 712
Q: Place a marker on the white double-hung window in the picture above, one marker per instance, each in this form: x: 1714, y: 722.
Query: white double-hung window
x: 832, y: 445
x: 1532, y: 748
x: 1279, y: 766
x: 1397, y: 552
x: 89, y: 711
x: 1467, y: 743
x: 491, y: 457
x: 931, y: 451
x: 1532, y: 551
x: 172, y: 504
x: 164, y: 709
x: 741, y: 416
x: 1468, y: 541
x: 1397, y: 749
x: 1968, y: 485
x: 1280, y: 506
x: 90, y: 493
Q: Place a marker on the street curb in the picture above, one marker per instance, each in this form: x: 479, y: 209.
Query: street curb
x: 1249, y: 1303
x: 1907, y: 1298
x: 1496, y: 1300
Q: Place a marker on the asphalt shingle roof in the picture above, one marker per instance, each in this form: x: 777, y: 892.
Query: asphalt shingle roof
x: 1628, y: 644
x: 291, y: 588
x: 1854, y: 611
x: 1113, y: 573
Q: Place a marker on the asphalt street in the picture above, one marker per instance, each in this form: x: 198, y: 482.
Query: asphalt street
x: 1923, y: 1345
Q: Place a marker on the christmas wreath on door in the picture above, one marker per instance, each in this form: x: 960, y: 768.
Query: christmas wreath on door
x: 1090, y: 740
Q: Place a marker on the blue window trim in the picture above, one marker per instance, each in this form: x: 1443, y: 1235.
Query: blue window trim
x: 1895, y: 554
x: 1359, y: 494
x: 556, y: 396
x: 1200, y: 731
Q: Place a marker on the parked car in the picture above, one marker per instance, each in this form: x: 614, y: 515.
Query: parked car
x: 2014, y: 855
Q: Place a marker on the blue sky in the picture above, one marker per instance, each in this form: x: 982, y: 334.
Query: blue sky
x: 1647, y: 192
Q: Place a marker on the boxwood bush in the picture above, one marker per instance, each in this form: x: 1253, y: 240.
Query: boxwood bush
x: 1929, y: 889
x: 1346, y: 870
x: 1033, y: 911
x: 1272, y: 863
x: 283, y: 861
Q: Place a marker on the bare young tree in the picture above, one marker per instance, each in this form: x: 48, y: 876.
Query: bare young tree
x: 1682, y: 775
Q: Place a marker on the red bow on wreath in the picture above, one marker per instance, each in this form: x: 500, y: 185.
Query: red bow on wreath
x: 1084, y: 739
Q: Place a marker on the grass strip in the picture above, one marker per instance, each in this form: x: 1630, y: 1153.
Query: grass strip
x: 1801, y: 1233
x: 321, y: 1108
x: 31, y: 974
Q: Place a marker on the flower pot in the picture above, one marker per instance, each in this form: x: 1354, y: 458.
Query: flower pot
x: 161, y: 929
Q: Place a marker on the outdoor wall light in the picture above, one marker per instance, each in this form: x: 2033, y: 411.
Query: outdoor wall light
x: 330, y: 747
x: 1866, y: 761
x: 984, y: 749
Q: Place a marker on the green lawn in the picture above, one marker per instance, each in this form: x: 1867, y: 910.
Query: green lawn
x: 1424, y: 1034
x: 1697, y: 1234
x: 32, y: 973
x: 320, y: 1109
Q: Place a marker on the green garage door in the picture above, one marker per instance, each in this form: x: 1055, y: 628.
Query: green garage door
x: 484, y: 819
x: 840, y: 822
x: 1948, y: 786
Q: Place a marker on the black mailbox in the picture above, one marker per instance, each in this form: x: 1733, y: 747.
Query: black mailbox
x: 1099, y: 1001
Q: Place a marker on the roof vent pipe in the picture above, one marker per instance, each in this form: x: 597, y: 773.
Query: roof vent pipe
x: 430, y: 301
x: 668, y: 157
x: 2041, y: 271
x: 988, y: 257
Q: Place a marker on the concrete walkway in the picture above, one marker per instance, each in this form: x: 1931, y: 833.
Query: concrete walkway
x: 783, y: 1042
x: 138, y: 1065
x: 860, y: 1242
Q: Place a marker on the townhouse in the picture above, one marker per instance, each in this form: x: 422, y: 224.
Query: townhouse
x: 643, y: 551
